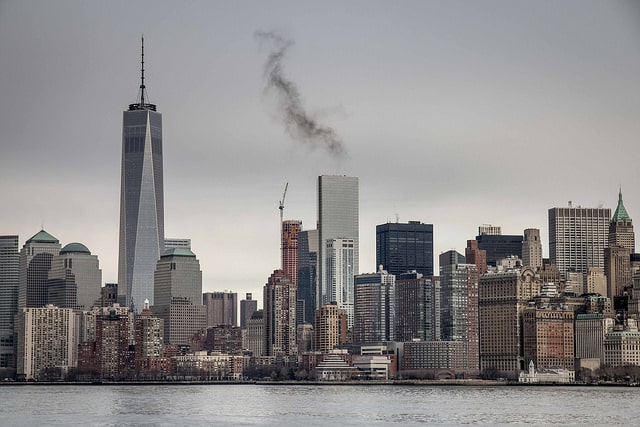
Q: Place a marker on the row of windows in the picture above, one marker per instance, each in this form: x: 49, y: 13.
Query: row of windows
x: 135, y: 144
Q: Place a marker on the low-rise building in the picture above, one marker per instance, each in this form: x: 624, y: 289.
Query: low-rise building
x: 209, y: 366
x: 547, y: 376
x: 622, y: 345
x: 334, y: 368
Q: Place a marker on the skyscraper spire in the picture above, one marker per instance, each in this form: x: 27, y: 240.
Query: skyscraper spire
x: 621, y: 213
x: 143, y: 99
x: 142, y: 88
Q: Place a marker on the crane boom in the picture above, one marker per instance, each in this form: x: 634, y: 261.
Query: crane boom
x: 281, y: 207
x: 281, y: 204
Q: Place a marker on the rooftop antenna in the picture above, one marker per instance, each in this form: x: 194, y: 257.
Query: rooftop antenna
x: 142, y: 87
x: 143, y: 100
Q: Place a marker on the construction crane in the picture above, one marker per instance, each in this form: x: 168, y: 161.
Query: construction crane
x: 281, y: 205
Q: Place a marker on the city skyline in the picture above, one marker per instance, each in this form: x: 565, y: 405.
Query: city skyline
x: 462, y: 116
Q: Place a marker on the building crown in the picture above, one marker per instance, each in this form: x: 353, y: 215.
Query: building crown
x: 142, y: 103
x: 620, y: 215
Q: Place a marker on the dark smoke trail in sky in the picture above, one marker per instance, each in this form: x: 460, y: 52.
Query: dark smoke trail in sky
x: 299, y: 125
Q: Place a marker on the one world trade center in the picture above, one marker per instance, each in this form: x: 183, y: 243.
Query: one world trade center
x: 141, y: 200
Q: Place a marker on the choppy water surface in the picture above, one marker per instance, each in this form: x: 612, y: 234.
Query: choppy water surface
x: 315, y: 405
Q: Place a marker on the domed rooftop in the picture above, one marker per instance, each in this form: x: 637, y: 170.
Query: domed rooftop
x: 75, y: 247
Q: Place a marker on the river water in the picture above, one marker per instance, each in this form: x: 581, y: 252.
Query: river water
x: 304, y: 405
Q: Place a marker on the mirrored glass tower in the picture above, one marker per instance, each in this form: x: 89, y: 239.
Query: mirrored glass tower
x: 141, y: 200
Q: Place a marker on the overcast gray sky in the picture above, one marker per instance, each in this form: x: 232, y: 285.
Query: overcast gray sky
x: 454, y: 113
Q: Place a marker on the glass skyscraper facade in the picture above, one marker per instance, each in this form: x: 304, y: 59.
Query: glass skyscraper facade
x: 500, y: 246
x: 9, y: 279
x: 338, y: 204
x: 307, y: 272
x: 401, y: 248
x: 141, y: 202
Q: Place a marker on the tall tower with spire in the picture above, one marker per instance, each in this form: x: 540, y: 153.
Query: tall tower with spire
x: 141, y: 199
x: 621, y: 228
x: 617, y: 256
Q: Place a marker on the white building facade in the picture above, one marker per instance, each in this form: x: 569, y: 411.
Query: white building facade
x: 47, y: 339
x: 338, y: 213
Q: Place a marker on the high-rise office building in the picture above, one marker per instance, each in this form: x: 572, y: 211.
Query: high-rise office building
x: 247, y: 307
x: 178, y: 275
x: 617, y: 254
x: 330, y: 328
x: 475, y: 255
x: 222, y: 308
x: 532, y: 249
x: 502, y: 298
x: 621, y: 228
x: 279, y: 304
x: 307, y: 273
x: 338, y: 207
x: 253, y: 338
x: 417, y: 307
x: 290, y: 231
x: 402, y: 248
x: 141, y: 200
x: 374, y: 308
x: 459, y: 305
x: 548, y: 336
x: 499, y: 246
x: 590, y: 330
x: 75, y: 278
x: 339, y: 257
x: 35, y: 263
x: 617, y: 270
x: 577, y: 238
x: 178, y: 290
x: 9, y: 279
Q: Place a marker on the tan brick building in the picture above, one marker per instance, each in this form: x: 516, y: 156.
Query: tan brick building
x: 548, y: 336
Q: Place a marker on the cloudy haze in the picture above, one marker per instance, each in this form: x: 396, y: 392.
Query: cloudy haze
x: 451, y: 113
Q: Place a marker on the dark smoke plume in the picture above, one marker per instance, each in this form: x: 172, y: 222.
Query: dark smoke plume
x: 299, y: 125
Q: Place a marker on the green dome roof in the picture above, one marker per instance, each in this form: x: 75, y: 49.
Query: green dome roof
x: 75, y: 247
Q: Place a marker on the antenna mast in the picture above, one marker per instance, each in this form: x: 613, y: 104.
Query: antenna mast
x: 142, y: 101
x: 142, y: 87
